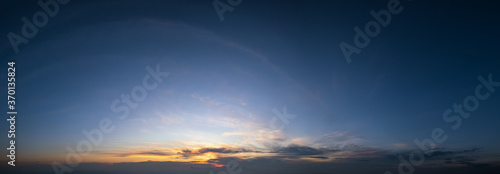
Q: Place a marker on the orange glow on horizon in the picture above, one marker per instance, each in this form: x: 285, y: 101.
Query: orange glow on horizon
x: 217, y: 165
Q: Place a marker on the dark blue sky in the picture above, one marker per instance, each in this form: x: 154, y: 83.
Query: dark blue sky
x: 230, y: 81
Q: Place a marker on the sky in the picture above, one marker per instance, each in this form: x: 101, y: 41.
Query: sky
x: 253, y: 86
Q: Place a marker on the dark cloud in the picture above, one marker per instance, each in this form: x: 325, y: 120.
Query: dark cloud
x: 222, y: 150
x: 465, y: 156
x: 185, y: 153
x: 443, y: 158
x: 459, y: 157
x: 301, y: 150
x: 441, y: 152
x: 298, y: 151
x: 148, y: 152
x: 320, y: 157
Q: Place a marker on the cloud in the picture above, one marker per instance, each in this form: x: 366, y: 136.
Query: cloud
x: 320, y: 157
x: 339, y: 139
x: 437, y: 153
x: 466, y: 157
x: 400, y: 145
x: 206, y: 100
x: 223, y: 150
x: 442, y: 157
x: 185, y: 153
x: 348, y: 153
x: 146, y: 152
x: 294, y: 149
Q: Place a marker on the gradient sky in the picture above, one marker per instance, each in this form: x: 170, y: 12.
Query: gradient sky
x: 226, y: 77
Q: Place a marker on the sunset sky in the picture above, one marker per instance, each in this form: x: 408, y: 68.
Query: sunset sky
x: 268, y: 87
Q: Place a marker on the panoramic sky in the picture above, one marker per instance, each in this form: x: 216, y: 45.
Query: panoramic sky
x: 242, y: 86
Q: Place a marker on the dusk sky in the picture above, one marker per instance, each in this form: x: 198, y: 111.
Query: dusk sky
x: 245, y: 86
